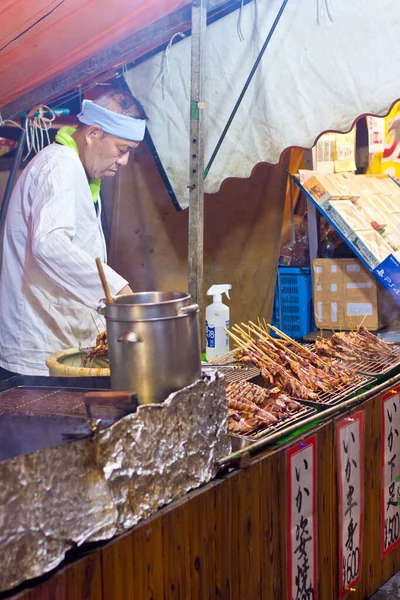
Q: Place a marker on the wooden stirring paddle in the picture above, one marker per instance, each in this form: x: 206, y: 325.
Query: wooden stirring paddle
x: 109, y: 298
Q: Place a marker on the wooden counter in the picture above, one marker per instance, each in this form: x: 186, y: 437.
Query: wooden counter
x: 229, y: 538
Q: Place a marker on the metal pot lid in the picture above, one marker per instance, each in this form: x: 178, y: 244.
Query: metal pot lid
x: 146, y: 305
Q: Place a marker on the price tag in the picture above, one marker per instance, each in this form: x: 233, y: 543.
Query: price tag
x: 302, y: 534
x: 350, y: 474
x: 376, y: 134
x: 390, y: 509
x: 345, y: 152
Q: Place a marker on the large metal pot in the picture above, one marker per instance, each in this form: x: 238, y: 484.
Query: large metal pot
x: 153, y: 343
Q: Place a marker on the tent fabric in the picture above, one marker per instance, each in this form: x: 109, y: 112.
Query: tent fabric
x: 326, y: 64
x: 41, y: 39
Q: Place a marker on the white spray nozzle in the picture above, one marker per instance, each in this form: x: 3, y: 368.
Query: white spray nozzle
x: 218, y: 290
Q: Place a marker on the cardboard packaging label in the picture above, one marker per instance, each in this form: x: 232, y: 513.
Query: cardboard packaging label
x: 345, y: 294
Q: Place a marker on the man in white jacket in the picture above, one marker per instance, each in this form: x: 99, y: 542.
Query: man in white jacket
x: 49, y: 283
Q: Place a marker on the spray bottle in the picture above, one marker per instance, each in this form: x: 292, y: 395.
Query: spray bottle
x: 217, y: 318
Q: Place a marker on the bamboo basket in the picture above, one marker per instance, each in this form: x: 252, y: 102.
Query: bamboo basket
x: 69, y: 363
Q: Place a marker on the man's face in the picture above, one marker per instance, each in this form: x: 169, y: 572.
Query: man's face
x: 105, y: 154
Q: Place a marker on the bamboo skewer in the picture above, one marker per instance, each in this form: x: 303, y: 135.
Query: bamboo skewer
x: 238, y: 341
x: 274, y: 342
x: 296, y: 344
x: 261, y: 331
x: 250, y: 346
x: 109, y: 298
x: 289, y: 339
x: 243, y: 333
x: 95, y: 324
x: 360, y: 325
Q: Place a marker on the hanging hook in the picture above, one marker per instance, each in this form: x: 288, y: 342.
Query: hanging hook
x: 165, y: 64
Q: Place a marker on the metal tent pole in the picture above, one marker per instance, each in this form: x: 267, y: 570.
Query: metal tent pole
x: 196, y: 161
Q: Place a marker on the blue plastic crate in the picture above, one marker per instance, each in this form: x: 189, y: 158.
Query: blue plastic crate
x: 292, y: 311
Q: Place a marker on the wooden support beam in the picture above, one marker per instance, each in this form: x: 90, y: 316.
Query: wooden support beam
x: 196, y: 158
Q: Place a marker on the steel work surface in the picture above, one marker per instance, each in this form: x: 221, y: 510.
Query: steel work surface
x: 35, y: 413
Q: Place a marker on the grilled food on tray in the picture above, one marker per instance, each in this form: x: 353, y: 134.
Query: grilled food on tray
x: 359, y: 345
x: 99, y: 350
x: 251, y: 406
x: 292, y: 368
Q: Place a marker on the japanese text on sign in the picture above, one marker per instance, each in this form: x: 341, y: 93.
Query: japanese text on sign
x: 390, y: 470
x: 302, y: 521
x: 350, y: 476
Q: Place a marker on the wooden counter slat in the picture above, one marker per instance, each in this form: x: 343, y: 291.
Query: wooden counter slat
x: 148, y: 561
x: 80, y: 580
x: 202, y: 544
x: 328, y: 517
x: 249, y: 532
x: 117, y: 569
x: 176, y: 559
x: 84, y: 579
x: 52, y: 589
x: 371, y: 571
x: 224, y: 554
x: 272, y: 527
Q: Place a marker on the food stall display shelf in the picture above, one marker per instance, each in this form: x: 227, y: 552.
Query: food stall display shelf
x: 387, y: 272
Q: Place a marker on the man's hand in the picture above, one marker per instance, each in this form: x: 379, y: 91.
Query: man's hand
x: 125, y: 290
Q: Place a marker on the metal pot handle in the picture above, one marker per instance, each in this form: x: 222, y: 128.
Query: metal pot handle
x: 188, y: 310
x: 130, y: 336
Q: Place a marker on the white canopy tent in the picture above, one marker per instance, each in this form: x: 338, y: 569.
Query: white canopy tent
x: 327, y: 63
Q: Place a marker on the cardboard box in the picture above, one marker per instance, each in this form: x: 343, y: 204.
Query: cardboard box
x: 345, y: 294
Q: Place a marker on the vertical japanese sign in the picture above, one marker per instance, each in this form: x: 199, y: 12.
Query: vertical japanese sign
x: 345, y: 151
x: 390, y: 519
x: 302, y: 538
x: 349, y: 433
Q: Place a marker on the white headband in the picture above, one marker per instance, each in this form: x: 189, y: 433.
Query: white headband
x: 121, y: 126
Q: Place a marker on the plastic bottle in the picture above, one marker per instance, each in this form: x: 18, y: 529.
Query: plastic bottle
x: 217, y: 319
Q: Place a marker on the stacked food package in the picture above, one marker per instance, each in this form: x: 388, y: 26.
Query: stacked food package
x: 364, y: 209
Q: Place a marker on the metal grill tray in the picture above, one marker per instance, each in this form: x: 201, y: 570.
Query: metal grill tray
x: 374, y: 368
x: 325, y: 399
x: 244, y: 370
x: 310, y: 407
x: 340, y: 394
x: 240, y: 440
x: 41, y: 412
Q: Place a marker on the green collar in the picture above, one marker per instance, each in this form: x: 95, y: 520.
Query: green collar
x: 64, y: 137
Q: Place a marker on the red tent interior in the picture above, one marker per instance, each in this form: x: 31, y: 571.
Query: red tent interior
x: 41, y: 40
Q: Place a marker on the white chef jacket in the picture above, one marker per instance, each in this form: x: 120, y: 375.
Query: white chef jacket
x: 49, y: 283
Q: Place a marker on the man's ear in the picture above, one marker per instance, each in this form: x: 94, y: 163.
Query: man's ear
x: 93, y: 133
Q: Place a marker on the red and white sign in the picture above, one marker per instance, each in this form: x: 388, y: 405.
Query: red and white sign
x: 390, y: 518
x: 302, y: 525
x: 376, y: 134
x: 350, y: 474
